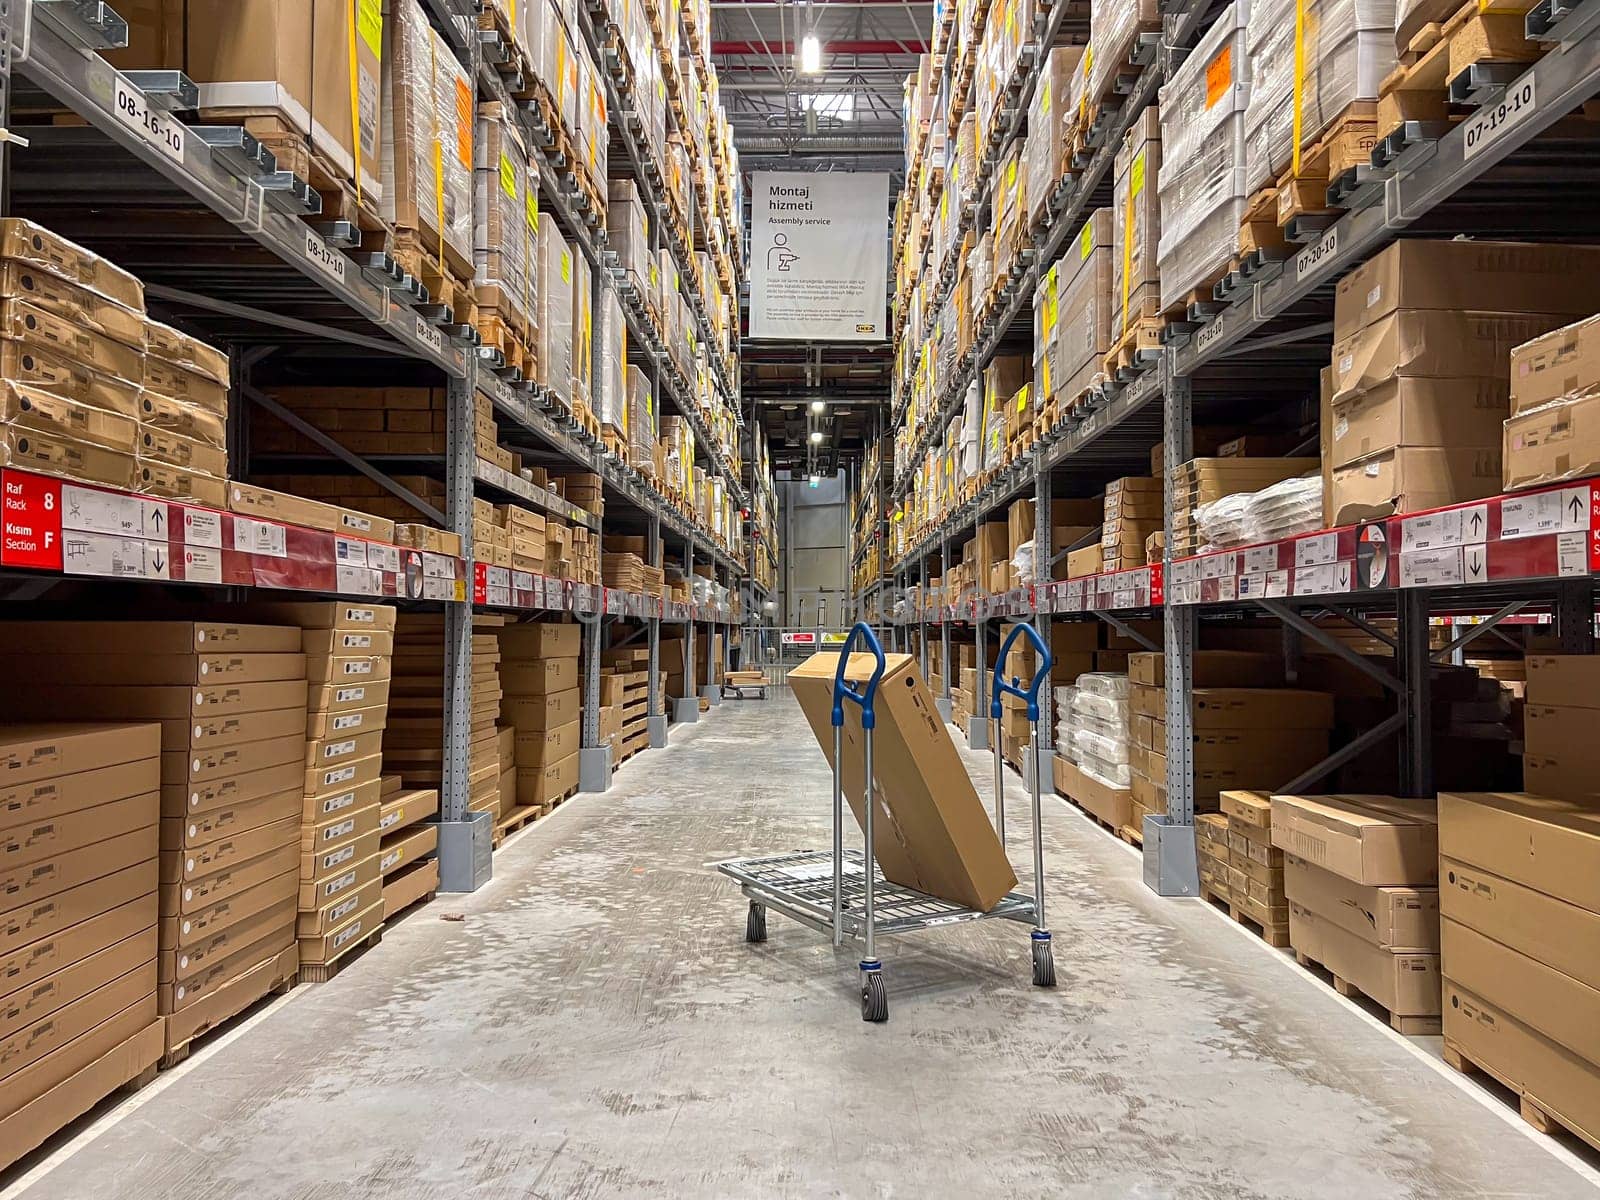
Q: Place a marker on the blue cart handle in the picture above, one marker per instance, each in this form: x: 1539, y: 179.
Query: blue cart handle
x: 1031, y: 693
x: 842, y: 691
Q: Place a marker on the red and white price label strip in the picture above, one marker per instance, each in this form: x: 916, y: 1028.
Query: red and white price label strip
x: 260, y: 537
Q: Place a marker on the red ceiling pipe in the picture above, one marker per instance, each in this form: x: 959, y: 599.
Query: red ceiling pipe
x: 828, y: 47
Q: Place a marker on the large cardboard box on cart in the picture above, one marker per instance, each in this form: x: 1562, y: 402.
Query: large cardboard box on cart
x: 930, y: 828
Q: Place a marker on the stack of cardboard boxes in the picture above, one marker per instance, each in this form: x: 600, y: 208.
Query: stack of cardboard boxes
x: 1555, y: 395
x: 1096, y: 776
x: 542, y: 706
x: 1423, y: 334
x: 505, y: 232
x: 1361, y: 874
x: 408, y: 844
x: 1204, y: 480
x: 1255, y: 865
x: 413, y: 746
x: 94, y: 390
x: 1521, y: 922
x: 231, y: 702
x: 1212, y: 855
x: 80, y: 807
x: 1136, y: 235
x: 1248, y: 732
x: 348, y: 645
x: 1132, y: 514
x: 624, y: 697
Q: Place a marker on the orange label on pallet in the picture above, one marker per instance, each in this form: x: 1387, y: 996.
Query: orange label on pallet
x: 464, y: 111
x: 1219, y: 76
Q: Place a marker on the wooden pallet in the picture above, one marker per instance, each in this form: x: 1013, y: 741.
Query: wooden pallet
x: 1273, y: 935
x: 1409, y: 1025
x: 495, y: 332
x: 616, y: 443
x: 1142, y: 333
x: 1347, y: 142
x: 275, y: 979
x: 517, y: 819
x: 1259, y: 228
x: 492, y: 20
x: 1418, y: 89
x: 410, y: 248
x: 584, y: 416
x: 295, y: 154
x: 1533, y: 1112
x: 1134, y: 837
x: 322, y: 972
x: 558, y: 801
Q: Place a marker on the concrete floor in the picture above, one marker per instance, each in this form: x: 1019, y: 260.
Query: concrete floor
x: 596, y: 1026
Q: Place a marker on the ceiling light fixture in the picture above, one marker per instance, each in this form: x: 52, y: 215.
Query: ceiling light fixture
x: 810, y: 54
x: 818, y: 407
x: 816, y: 436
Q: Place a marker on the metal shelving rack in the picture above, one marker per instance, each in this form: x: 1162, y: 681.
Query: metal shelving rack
x: 278, y: 277
x: 1495, y: 559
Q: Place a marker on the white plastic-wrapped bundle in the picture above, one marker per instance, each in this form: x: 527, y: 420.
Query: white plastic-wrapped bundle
x: 1221, y: 522
x: 1284, y: 509
x: 1348, y: 47
x: 1202, y: 184
x: 1099, y: 728
x: 1022, y: 561
x: 1065, y: 721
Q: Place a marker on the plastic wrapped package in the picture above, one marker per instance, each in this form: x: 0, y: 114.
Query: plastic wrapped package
x: 1348, y: 47
x: 504, y: 217
x: 583, y: 331
x: 964, y: 163
x: 1112, y: 774
x: 611, y: 358
x: 1047, y: 128
x: 1202, y: 188
x: 1022, y: 561
x: 1047, y: 371
x: 1284, y: 509
x: 1009, y: 203
x: 1136, y: 224
x: 627, y: 232
x: 555, y: 66
x: 971, y: 442
x: 1114, y: 26
x: 641, y: 421
x: 1221, y: 522
x: 1103, y: 684
x: 555, y: 330
x: 428, y: 96
x: 1064, y: 721
x: 1091, y: 743
x: 1084, y: 305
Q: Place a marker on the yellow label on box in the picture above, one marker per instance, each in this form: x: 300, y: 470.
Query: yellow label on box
x: 508, y: 176
x: 532, y: 205
x: 1086, y: 240
x: 369, y: 24
x: 1044, y: 97
x: 566, y: 266
x: 1136, y: 175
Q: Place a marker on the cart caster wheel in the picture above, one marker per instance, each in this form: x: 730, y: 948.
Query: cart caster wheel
x: 1044, y: 961
x: 755, y: 925
x: 874, y: 995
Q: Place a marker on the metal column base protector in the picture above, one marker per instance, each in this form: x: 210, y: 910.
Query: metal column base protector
x: 658, y: 731
x: 977, y: 733
x: 712, y: 693
x: 594, y: 768
x: 686, y: 710
x: 1046, y: 758
x: 946, y: 708
x: 465, y: 849
x: 1170, y: 868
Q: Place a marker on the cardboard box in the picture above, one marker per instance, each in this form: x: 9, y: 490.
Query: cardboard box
x: 204, y: 764
x: 29, y: 1043
x: 1412, y: 479
x: 402, y: 849
x: 338, y: 828
x: 29, y: 1006
x: 1408, y: 985
x: 1394, y: 918
x: 197, y: 829
x: 74, y: 1037
x: 1562, y: 936
x: 29, y: 963
x: 345, y: 696
x: 1561, y: 364
x: 405, y: 888
x: 326, y: 726
x: 324, y: 752
x: 205, y: 859
x: 330, y: 945
x: 1419, y: 412
x: 1517, y: 276
x: 933, y: 832
x: 1112, y: 805
x: 1554, y: 1078
x: 547, y: 784
x: 54, y: 769
x: 541, y: 712
x: 1546, y: 844
x: 190, y: 896
x: 180, y: 930
x: 540, y: 747
x: 184, y: 799
x: 46, y: 914
x: 1546, y: 1000
x: 320, y: 780
x: 180, y: 965
x: 539, y: 676
x: 1434, y: 344
x: 1383, y: 841
x: 541, y: 639
x: 23, y: 884
x: 406, y: 807
x: 347, y: 615
x: 1261, y: 708
x: 338, y: 872
x: 315, y: 923
x: 142, y: 638
x: 1552, y: 443
x: 1210, y: 668
x: 25, y: 242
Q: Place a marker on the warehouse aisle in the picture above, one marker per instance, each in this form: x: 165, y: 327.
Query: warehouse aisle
x: 595, y: 1025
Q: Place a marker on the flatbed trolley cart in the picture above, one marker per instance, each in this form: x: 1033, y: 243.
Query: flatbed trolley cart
x: 835, y: 893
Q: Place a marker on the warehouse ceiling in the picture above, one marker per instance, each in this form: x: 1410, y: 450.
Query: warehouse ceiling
x: 845, y: 116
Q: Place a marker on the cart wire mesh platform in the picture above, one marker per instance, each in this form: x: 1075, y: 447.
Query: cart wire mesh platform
x: 832, y: 891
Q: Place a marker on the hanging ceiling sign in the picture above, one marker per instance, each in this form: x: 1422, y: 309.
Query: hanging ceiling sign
x: 819, y: 257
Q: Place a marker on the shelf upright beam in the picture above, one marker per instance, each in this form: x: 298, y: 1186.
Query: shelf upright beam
x: 978, y: 726
x: 1416, y: 669
x: 1170, y: 866
x: 465, y: 837
x: 1574, y: 615
x: 686, y: 708
x: 922, y: 624
x: 944, y: 701
x: 1043, y: 756
x: 655, y: 718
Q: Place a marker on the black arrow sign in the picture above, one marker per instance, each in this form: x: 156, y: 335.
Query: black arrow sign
x: 1577, y: 508
x: 1344, y: 576
x: 1477, y: 520
x: 160, y: 517
x: 158, y: 564
x: 1476, y: 564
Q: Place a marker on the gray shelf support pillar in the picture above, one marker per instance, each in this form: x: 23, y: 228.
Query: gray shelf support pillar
x: 922, y: 624
x: 594, y: 756
x: 1170, y: 864
x: 944, y: 701
x: 465, y: 838
x: 686, y: 708
x: 655, y: 719
x: 1043, y: 757
x: 978, y: 721
x: 1416, y: 669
